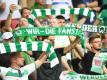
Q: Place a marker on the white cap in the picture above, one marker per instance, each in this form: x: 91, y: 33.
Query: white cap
x: 7, y: 35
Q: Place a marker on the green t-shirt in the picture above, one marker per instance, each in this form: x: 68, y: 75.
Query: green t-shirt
x: 104, y: 2
x: 103, y: 17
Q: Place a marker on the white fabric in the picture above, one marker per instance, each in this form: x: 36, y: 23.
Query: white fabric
x: 58, y: 4
x: 2, y: 1
x: 7, y: 35
x: 61, y: 41
x: 29, y: 68
x: 16, y: 14
x: 68, y: 56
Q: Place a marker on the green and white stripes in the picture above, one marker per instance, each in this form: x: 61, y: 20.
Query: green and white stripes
x: 77, y: 11
x: 30, y: 46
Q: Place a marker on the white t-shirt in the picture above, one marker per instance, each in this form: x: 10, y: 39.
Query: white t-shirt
x: 13, y: 74
x: 16, y: 14
x: 58, y: 4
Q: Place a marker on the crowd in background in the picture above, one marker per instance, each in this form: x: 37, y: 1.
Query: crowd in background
x: 72, y: 56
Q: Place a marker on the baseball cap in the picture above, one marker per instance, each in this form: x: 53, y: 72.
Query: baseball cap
x: 7, y: 35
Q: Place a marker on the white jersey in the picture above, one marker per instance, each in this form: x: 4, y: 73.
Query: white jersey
x: 58, y: 4
x: 13, y: 74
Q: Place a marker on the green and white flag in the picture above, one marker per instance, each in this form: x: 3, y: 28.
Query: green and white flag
x: 77, y: 11
x: 74, y: 76
x: 30, y: 46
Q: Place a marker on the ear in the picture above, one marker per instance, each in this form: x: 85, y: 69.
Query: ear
x: 90, y: 45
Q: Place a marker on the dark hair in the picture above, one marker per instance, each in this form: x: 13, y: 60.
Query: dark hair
x: 42, y: 37
x: 14, y: 55
x: 60, y: 17
x: 93, y: 37
x: 21, y: 11
x: 2, y: 24
x: 103, y: 7
x: 5, y: 60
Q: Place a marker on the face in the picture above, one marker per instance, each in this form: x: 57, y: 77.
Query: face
x: 51, y: 38
x: 61, y: 22
x: 19, y: 60
x: 23, y: 22
x: 26, y: 13
x: 96, y: 44
x: 53, y: 23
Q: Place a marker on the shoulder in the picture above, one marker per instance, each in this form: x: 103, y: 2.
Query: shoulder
x: 4, y: 70
x: 89, y: 54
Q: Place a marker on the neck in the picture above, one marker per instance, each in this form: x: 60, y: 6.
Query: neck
x: 15, y: 66
x: 96, y: 51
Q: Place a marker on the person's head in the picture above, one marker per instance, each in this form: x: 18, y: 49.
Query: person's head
x: 61, y: 20
x: 51, y: 39
x: 2, y: 24
x: 53, y: 22
x: 17, y: 59
x: 4, y: 28
x: 95, y: 42
x: 25, y: 12
x: 7, y: 37
x: 23, y: 22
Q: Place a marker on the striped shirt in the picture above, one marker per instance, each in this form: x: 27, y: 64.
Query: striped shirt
x: 13, y: 74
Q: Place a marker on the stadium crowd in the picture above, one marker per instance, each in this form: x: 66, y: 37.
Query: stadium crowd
x: 72, y: 56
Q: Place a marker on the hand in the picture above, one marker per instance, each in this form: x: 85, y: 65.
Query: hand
x: 78, y: 26
x: 67, y: 71
x: 13, y: 7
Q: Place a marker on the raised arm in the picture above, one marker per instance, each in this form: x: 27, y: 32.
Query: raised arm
x: 9, y: 18
x: 41, y: 60
x: 72, y: 45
